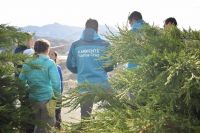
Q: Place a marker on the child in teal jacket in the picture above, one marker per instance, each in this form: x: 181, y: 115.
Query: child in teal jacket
x: 42, y: 77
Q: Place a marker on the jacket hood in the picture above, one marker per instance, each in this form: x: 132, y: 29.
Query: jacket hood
x: 89, y: 34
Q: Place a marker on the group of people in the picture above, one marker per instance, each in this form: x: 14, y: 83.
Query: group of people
x: 44, y: 77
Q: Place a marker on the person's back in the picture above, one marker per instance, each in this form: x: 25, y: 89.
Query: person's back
x: 37, y: 75
x: 41, y: 76
x: 85, y: 58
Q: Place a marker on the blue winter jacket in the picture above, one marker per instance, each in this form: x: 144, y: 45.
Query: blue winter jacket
x: 20, y: 49
x: 135, y: 27
x: 84, y: 58
x: 42, y: 77
x: 61, y: 77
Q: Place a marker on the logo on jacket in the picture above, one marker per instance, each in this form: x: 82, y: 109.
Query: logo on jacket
x: 89, y: 52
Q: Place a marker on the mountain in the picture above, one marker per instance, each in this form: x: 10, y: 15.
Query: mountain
x: 58, y: 31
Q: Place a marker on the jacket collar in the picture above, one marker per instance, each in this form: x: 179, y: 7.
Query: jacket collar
x: 43, y: 56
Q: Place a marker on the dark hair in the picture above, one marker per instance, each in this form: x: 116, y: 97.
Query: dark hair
x: 56, y: 55
x: 171, y: 20
x: 41, y: 46
x: 135, y: 15
x: 92, y: 23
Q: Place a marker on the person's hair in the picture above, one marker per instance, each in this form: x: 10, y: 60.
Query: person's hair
x: 171, y: 20
x: 92, y: 23
x: 56, y: 55
x: 135, y: 16
x: 41, y: 46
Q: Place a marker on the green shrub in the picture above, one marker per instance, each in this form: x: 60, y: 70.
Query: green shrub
x: 165, y: 86
x: 12, y: 92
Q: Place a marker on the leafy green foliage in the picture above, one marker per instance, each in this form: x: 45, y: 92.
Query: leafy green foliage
x: 165, y: 88
x: 9, y: 36
x: 13, y: 115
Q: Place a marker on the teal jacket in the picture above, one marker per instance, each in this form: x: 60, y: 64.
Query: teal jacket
x: 134, y: 28
x: 84, y: 58
x: 42, y: 77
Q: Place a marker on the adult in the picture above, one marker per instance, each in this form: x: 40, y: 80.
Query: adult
x: 136, y: 22
x: 84, y: 59
x: 169, y: 22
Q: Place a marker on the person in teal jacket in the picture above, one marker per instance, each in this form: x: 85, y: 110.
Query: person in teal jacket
x: 170, y: 22
x: 43, y: 81
x: 136, y: 22
x: 84, y: 59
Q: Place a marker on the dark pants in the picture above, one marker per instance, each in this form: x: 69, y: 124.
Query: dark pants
x: 29, y: 128
x: 58, y: 118
x: 86, y: 106
x: 43, y: 120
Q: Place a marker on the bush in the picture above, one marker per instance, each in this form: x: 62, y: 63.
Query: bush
x: 12, y: 92
x: 165, y: 87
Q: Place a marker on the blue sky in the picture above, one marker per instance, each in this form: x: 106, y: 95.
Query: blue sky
x: 110, y: 12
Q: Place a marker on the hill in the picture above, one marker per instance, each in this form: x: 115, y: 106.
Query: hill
x: 58, y: 31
